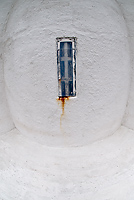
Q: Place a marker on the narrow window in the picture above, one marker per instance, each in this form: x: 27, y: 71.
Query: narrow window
x: 66, y: 66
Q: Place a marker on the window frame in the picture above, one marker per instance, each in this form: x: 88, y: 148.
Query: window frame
x: 73, y: 40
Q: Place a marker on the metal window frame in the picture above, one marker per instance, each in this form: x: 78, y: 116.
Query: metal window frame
x: 74, y: 43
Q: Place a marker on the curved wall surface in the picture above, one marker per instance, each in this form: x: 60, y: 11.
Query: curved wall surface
x: 127, y: 9
x: 6, y: 123
x: 102, y: 69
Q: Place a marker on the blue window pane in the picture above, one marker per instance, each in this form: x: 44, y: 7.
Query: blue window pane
x: 62, y: 49
x: 63, y: 88
x: 70, y: 69
x: 62, y: 69
x: 70, y: 88
x: 66, y: 67
x: 69, y: 44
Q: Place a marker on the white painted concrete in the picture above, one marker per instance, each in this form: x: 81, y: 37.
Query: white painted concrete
x: 127, y: 10
x: 102, y: 69
x: 42, y: 160
x: 103, y: 170
x: 6, y: 123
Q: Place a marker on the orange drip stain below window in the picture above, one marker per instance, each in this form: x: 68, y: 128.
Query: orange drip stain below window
x: 63, y: 101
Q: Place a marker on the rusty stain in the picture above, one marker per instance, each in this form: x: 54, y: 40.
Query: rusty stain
x: 63, y: 100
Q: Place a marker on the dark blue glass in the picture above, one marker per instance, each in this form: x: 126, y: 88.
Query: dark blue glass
x: 62, y: 49
x: 70, y: 88
x: 63, y: 88
x: 69, y: 45
x: 70, y: 69
x: 62, y: 69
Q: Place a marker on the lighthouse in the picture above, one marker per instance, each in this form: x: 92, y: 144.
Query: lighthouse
x: 66, y: 99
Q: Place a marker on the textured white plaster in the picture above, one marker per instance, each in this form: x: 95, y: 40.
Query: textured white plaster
x: 103, y: 170
x: 6, y: 123
x: 29, y: 168
x: 102, y: 69
x: 128, y: 11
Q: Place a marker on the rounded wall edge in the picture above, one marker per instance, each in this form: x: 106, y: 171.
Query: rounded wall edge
x: 102, y: 70
x: 6, y: 122
x: 127, y: 10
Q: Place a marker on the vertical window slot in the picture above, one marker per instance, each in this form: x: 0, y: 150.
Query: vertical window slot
x: 66, y: 66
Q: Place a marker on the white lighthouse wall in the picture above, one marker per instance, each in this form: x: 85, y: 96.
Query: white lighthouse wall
x: 128, y: 12
x: 6, y: 124
x: 103, y: 69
